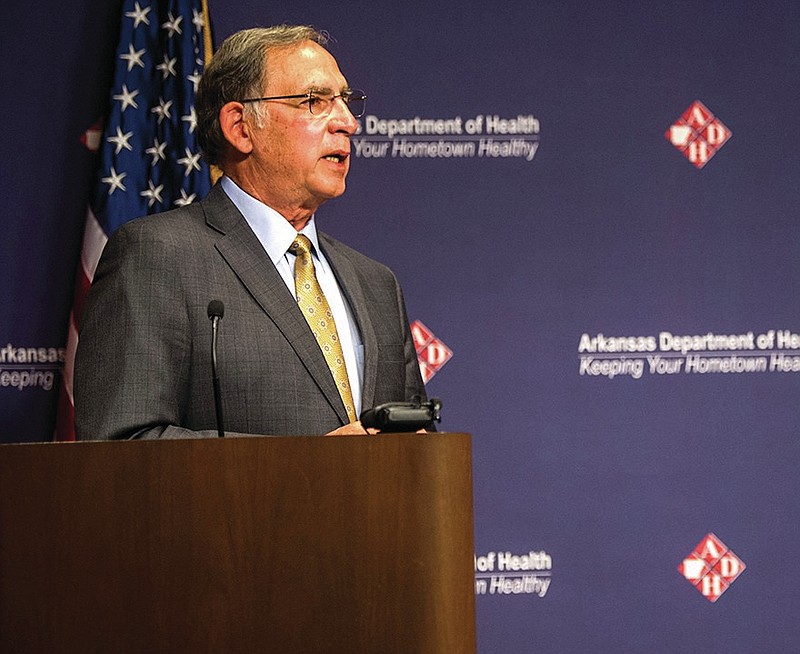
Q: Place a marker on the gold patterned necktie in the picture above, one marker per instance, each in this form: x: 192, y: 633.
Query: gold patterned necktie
x: 319, y: 317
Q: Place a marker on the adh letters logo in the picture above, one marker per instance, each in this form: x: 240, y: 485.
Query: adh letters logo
x: 432, y: 353
x: 711, y: 568
x: 698, y: 134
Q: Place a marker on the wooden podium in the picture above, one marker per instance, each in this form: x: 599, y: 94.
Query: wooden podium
x: 277, y: 544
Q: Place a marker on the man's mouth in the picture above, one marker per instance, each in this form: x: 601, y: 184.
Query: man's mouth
x: 336, y: 158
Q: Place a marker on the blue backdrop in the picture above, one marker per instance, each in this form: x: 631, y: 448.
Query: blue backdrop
x: 615, y: 279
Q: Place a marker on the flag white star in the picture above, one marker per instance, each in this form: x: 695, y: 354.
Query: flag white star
x: 162, y: 110
x: 167, y: 68
x: 152, y: 193
x: 139, y: 15
x: 191, y: 118
x: 121, y: 140
x: 185, y: 199
x: 194, y: 78
x: 157, y: 151
x: 127, y: 98
x: 190, y: 161
x: 197, y: 20
x: 134, y: 57
x: 173, y: 25
x: 114, y: 181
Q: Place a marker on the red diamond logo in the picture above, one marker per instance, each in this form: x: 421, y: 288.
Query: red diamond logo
x: 711, y: 567
x: 432, y: 353
x: 698, y: 134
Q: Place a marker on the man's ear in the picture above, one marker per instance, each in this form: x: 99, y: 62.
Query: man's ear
x: 235, y: 128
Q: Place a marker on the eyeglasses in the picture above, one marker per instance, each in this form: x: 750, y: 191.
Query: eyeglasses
x: 321, y: 104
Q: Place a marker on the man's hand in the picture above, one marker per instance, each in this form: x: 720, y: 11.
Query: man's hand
x: 353, y: 429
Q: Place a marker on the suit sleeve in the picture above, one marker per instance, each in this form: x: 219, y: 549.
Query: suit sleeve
x: 133, y: 352
x: 414, y: 387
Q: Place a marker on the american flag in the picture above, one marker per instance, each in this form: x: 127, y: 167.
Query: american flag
x: 148, y: 155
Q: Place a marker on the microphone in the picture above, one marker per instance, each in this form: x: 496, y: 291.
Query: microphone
x: 215, y: 312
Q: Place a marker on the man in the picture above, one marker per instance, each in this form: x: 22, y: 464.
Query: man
x: 276, y: 115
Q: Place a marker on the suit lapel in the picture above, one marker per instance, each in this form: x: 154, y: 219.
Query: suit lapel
x: 351, y: 286
x: 242, y: 251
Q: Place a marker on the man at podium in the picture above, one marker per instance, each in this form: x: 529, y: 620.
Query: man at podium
x: 312, y: 332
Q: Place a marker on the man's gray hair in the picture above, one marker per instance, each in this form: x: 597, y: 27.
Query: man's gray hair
x: 238, y: 71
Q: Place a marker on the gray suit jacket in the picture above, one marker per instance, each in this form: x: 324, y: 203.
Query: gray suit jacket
x: 143, y: 365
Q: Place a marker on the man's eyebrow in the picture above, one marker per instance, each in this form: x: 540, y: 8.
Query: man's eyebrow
x: 326, y: 90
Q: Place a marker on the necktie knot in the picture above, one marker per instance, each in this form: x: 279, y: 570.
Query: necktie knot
x: 301, y: 245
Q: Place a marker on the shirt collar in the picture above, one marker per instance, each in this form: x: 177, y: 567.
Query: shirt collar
x: 274, y: 232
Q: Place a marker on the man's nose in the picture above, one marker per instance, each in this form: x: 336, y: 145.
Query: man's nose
x: 342, y: 119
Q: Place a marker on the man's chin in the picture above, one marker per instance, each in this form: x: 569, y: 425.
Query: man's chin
x: 331, y: 193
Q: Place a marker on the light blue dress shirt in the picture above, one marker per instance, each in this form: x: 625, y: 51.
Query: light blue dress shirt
x: 276, y: 235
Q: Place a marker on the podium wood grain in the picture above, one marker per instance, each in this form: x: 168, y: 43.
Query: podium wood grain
x: 278, y: 544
